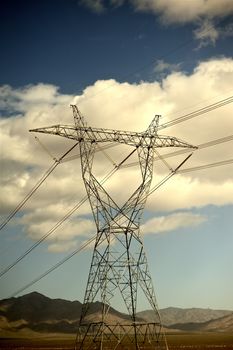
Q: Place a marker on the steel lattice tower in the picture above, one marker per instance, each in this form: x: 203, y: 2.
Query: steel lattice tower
x: 119, y: 262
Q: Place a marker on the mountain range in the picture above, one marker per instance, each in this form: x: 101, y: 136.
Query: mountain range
x: 35, y: 312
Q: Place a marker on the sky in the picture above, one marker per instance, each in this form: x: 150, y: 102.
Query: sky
x: 121, y: 62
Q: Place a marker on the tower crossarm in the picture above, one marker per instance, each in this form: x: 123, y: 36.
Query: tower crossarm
x: 98, y: 135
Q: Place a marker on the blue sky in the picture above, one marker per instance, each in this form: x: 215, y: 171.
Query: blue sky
x: 121, y: 62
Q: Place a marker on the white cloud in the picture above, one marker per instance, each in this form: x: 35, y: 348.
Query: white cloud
x: 118, y: 106
x: 75, y: 227
x: 172, y: 222
x: 171, y: 11
x: 176, y: 11
x: 201, y: 12
x: 162, y: 66
x: 59, y: 247
x: 188, y: 192
x: 206, y: 33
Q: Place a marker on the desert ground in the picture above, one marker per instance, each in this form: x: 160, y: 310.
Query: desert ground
x: 176, y: 341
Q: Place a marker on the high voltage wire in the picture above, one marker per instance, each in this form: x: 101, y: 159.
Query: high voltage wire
x: 49, y: 171
x: 185, y: 117
x: 61, y: 262
x: 37, y: 185
x: 183, y: 151
x: 59, y: 223
x: 62, y: 158
x: 202, y: 146
x: 68, y: 257
x: 197, y: 113
x: 120, y: 165
x: 207, y: 166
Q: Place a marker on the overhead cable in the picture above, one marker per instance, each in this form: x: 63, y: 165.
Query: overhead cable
x: 59, y: 223
x: 206, y: 166
x: 35, y: 187
x: 120, y: 165
x: 197, y: 113
x: 62, y: 159
x: 76, y: 251
x: 60, y: 263
x: 93, y: 238
x: 183, y: 151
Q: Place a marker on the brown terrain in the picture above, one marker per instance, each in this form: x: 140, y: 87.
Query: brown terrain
x: 36, y: 321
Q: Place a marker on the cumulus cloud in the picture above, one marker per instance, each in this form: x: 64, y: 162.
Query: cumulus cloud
x: 201, y: 12
x: 206, y: 33
x: 74, y: 228
x: 172, y: 222
x: 59, y: 247
x: 171, y: 10
x: 176, y: 11
x: 113, y: 105
x: 162, y: 66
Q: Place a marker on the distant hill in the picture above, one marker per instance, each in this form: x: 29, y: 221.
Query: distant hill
x: 35, y: 312
x: 221, y: 324
x: 35, y: 307
x: 174, y: 315
x: 39, y: 313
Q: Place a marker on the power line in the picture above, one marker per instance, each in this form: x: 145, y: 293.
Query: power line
x: 68, y: 257
x: 206, y: 166
x: 173, y: 122
x: 75, y: 156
x: 76, y: 207
x: 197, y: 113
x: 165, y: 125
x: 120, y: 165
x: 35, y: 187
x: 59, y: 223
x: 61, y: 262
x: 62, y: 159
x: 183, y: 151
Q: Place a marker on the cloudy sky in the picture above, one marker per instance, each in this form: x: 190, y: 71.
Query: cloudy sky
x: 121, y: 62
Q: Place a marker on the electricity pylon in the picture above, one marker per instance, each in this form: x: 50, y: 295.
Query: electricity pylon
x: 119, y: 262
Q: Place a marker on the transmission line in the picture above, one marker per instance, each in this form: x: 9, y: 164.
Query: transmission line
x: 202, y: 146
x: 183, y: 151
x: 64, y: 260
x: 165, y: 125
x: 61, y: 262
x: 120, y: 165
x: 59, y: 223
x: 180, y: 119
x: 197, y: 113
x: 62, y: 159
x: 206, y: 166
x: 37, y: 185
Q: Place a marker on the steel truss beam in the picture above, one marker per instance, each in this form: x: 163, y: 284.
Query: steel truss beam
x: 119, y: 261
